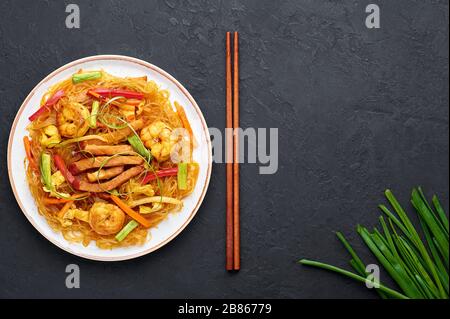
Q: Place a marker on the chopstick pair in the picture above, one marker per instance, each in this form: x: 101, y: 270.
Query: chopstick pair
x: 233, y: 260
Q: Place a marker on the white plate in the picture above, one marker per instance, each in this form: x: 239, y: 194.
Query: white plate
x: 119, y: 66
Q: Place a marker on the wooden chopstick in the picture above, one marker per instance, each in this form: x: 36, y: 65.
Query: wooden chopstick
x: 229, y: 158
x: 236, y: 212
x: 233, y: 260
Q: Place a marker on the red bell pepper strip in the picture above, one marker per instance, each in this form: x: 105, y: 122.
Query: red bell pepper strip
x: 46, y: 107
x: 117, y: 92
x: 162, y: 173
x: 59, y: 162
x: 105, y: 99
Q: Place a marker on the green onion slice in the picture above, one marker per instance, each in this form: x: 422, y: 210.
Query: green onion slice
x: 139, y: 147
x: 45, y: 165
x: 94, y: 112
x: 81, y: 77
x: 182, y: 176
x: 126, y: 230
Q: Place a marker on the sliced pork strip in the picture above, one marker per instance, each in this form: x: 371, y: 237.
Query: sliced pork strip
x: 104, y: 174
x: 104, y: 196
x: 83, y: 144
x: 109, y: 185
x: 107, y: 149
x: 122, y: 134
x: 105, y: 161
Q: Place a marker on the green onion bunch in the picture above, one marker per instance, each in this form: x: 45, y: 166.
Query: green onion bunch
x: 416, y: 260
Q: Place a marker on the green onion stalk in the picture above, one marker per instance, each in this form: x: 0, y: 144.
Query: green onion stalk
x: 419, y: 265
x: 81, y: 77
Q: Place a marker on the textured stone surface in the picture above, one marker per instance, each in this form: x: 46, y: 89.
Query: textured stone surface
x: 358, y: 111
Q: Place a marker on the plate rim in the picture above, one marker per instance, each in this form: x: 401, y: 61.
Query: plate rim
x: 183, y: 91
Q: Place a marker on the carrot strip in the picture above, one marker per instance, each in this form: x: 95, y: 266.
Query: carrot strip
x: 136, y: 216
x: 27, y: 145
x: 55, y: 201
x: 65, y: 208
x: 187, y: 126
x: 183, y: 117
x: 184, y: 120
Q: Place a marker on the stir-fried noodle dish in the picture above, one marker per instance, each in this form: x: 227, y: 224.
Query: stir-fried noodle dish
x: 108, y: 158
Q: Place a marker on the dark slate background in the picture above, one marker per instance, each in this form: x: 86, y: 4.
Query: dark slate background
x: 358, y: 111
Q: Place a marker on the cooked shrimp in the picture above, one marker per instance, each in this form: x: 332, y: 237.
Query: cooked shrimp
x: 106, y: 219
x: 72, y: 120
x: 159, y: 138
